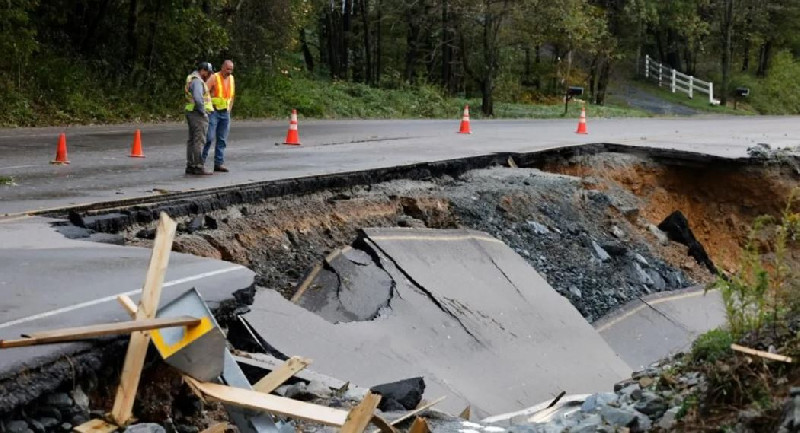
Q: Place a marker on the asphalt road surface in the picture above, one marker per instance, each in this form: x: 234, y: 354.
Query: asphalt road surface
x: 101, y: 170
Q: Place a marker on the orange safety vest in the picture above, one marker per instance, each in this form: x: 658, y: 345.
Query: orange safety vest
x: 223, y: 93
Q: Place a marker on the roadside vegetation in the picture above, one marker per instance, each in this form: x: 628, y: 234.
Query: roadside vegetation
x: 99, y: 61
x: 762, y: 302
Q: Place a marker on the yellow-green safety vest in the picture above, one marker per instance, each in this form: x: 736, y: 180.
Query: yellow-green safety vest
x: 223, y: 96
x: 190, y: 99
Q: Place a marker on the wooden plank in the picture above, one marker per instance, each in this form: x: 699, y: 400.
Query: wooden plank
x: 128, y: 305
x: 278, y: 376
x: 216, y: 428
x: 466, y: 413
x: 273, y: 404
x: 92, y: 331
x: 359, y: 417
x: 151, y: 295
x: 418, y: 410
x: 761, y: 353
x: 419, y: 426
x: 414, y: 412
x: 383, y: 426
x: 95, y: 426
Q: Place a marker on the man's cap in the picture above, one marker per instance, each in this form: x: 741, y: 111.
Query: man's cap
x: 205, y: 66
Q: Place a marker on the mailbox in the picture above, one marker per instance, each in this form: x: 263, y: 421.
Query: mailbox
x: 575, y: 91
x: 742, y: 92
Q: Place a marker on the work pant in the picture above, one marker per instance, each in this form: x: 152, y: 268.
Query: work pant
x: 198, y: 127
x: 219, y: 124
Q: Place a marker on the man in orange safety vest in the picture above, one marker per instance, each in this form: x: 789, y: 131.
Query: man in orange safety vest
x: 223, y: 91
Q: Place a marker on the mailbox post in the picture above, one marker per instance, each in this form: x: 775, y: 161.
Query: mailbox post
x: 572, y: 91
x: 741, y: 92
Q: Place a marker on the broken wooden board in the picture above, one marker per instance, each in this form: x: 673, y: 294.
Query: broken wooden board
x: 95, y: 426
x: 761, y: 353
x: 278, y: 376
x: 269, y: 403
x: 137, y: 348
x: 216, y: 428
x: 99, y: 330
x: 419, y: 426
x: 360, y: 416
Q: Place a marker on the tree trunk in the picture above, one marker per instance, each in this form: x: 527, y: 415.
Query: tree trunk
x: 133, y: 41
x: 346, y: 35
x: 367, y: 46
x: 727, y: 31
x: 309, y: 59
x: 602, y: 82
x: 447, y: 49
x: 746, y: 56
x: 88, y: 43
x: 412, y: 43
x: 764, y: 58
x: 378, y: 50
x: 151, y: 46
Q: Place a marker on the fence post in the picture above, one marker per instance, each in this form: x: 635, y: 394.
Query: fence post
x: 673, y: 81
x: 660, y: 77
x: 691, y: 87
x: 711, y: 93
x: 647, y: 65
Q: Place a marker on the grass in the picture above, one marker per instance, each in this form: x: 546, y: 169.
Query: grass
x: 6, y: 181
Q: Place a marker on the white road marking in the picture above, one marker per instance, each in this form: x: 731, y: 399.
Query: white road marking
x: 114, y: 297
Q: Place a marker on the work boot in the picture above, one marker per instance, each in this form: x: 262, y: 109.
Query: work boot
x: 198, y: 172
x: 221, y: 168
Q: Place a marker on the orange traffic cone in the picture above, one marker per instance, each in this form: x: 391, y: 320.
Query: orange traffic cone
x: 136, y: 148
x: 582, y: 122
x: 293, y: 137
x: 465, y: 129
x: 61, y: 151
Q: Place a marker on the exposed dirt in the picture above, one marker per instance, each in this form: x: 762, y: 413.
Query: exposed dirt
x: 721, y: 202
x: 608, y: 203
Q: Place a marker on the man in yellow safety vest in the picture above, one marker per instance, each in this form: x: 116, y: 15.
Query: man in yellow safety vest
x: 198, y: 106
x: 223, y: 91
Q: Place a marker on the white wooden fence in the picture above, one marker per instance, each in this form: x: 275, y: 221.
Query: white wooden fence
x: 677, y: 81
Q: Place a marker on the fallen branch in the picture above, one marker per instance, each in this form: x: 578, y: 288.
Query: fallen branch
x: 761, y: 353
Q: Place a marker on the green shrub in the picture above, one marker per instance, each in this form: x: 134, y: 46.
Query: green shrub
x: 712, y: 345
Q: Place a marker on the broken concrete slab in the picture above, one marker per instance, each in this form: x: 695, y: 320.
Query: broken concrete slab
x: 656, y: 326
x: 467, y: 314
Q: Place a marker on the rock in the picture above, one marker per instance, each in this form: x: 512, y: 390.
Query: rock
x: 794, y: 391
x: 576, y: 292
x: 651, y: 404
x: 355, y: 394
x: 17, y: 426
x: 600, y: 252
x: 618, y: 417
x: 642, y: 423
x: 318, y: 388
x: 79, y: 419
x: 639, y: 258
x: 589, y: 424
x: 676, y: 226
x: 630, y: 389
x: 49, y: 412
x: 298, y: 391
x: 49, y: 423
x: 183, y: 428
x: 660, y: 236
x: 658, y: 281
x: 195, y: 224
x: 642, y: 275
x: 617, y: 232
x: 407, y: 392
x: 615, y: 249
x: 59, y: 400
x: 645, y: 382
x: 145, y: 428
x: 595, y: 401
x: 391, y: 405
x: 669, y: 419
x: 539, y: 229
x: 210, y: 222
x: 66, y: 427
x: 146, y: 234
x: 80, y: 398
x: 790, y: 423
x: 281, y: 390
x: 36, y: 426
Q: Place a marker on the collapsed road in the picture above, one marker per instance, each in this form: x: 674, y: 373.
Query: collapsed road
x: 589, y: 231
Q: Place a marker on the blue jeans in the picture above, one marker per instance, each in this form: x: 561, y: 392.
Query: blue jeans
x: 219, y: 124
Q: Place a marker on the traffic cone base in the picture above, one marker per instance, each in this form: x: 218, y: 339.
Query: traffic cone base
x: 61, y: 151
x: 582, y: 122
x: 293, y: 137
x: 136, y: 148
x: 465, y: 127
